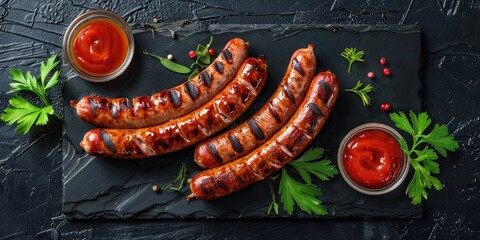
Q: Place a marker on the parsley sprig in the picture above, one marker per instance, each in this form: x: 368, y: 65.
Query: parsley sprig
x: 352, y: 55
x: 421, y: 156
x: 304, y: 194
x: 362, y: 92
x: 24, y: 113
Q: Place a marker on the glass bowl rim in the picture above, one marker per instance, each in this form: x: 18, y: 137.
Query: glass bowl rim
x: 79, y: 21
x: 372, y: 191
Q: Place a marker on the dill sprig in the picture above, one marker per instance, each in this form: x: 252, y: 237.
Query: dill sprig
x: 362, y: 92
x: 352, y: 55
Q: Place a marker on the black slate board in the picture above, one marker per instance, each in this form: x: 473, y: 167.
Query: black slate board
x: 95, y: 188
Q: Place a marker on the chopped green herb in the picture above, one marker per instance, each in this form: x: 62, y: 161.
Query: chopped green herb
x: 182, y: 173
x: 352, y: 55
x: 423, y: 160
x: 273, y: 205
x: 362, y: 93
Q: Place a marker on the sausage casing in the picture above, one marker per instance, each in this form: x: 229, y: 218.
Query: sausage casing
x: 185, y: 131
x: 284, y: 146
x: 172, y: 103
x: 250, y: 134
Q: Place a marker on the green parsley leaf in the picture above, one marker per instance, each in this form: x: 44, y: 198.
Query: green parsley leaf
x: 440, y: 139
x: 46, y: 68
x: 305, y: 166
x: 25, y: 114
x: 304, y: 194
x: 423, y: 160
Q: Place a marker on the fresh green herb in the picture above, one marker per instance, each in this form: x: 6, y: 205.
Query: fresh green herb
x: 193, y: 74
x: 273, y: 205
x: 306, y: 165
x: 172, y: 66
x: 362, y: 93
x: 304, y: 194
x: 352, y: 55
x: 203, y: 58
x: 24, y: 113
x: 182, y: 173
x: 421, y: 156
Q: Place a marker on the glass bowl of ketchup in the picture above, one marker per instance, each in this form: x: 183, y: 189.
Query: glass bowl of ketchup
x: 99, y: 46
x: 370, y: 159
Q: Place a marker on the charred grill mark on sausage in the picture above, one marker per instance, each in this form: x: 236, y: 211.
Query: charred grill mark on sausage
x: 237, y: 146
x: 206, y: 78
x: 191, y: 89
x: 227, y: 56
x: 296, y: 66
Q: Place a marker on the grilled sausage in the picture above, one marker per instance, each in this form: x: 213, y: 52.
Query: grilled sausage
x: 185, y: 131
x: 172, y: 103
x: 252, y: 133
x: 284, y: 146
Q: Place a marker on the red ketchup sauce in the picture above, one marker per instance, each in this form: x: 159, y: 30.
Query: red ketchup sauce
x: 99, y: 47
x: 372, y: 159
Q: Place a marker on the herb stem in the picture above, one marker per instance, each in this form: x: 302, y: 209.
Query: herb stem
x: 57, y: 116
x: 152, y: 55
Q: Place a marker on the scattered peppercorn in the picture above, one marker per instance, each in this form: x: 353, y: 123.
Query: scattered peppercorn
x: 371, y: 75
x: 155, y: 188
x: 170, y: 57
x: 211, y: 51
x: 155, y: 20
x: 385, y: 107
x: 192, y: 54
x: 386, y: 71
x: 383, y: 61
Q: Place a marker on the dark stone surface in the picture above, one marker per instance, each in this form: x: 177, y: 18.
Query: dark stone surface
x: 31, y: 165
x: 113, y: 188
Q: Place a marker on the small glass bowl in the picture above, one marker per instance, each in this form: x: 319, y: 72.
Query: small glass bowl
x: 372, y: 191
x: 74, y: 27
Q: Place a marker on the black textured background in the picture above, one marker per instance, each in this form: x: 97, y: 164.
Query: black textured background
x: 30, y: 166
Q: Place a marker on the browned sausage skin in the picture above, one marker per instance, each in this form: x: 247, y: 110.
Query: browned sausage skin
x: 172, y: 103
x: 185, y: 131
x: 250, y: 134
x: 284, y: 146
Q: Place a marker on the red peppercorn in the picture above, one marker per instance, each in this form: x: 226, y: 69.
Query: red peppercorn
x: 383, y: 61
x: 385, y: 107
x: 386, y: 71
x: 211, y: 51
x: 371, y: 75
x: 155, y: 188
x: 192, y: 54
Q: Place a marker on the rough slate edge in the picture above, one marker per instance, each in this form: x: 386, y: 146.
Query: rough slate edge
x: 217, y: 29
